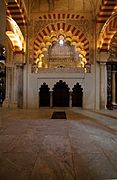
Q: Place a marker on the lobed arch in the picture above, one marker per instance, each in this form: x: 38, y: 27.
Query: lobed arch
x: 77, y: 95
x: 67, y: 28
x: 61, y: 94
x: 50, y: 82
x: 44, y: 85
x: 44, y: 95
x: 61, y: 82
x: 77, y: 85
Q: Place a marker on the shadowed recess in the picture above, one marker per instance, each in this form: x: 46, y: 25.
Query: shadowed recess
x: 59, y: 115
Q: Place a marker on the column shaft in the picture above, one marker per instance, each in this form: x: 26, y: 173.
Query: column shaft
x: 70, y: 99
x: 103, y: 88
x: 113, y: 88
x: 51, y: 104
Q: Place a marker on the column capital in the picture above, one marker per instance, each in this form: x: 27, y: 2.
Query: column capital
x: 19, y: 57
x: 102, y: 63
x: 102, y: 56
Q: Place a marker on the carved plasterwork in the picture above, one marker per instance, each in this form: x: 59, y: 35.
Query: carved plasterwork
x: 31, y: 29
x: 83, y: 25
x: 58, y: 70
x: 102, y: 56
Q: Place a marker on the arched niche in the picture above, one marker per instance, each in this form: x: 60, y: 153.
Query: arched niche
x: 44, y: 95
x: 61, y: 94
x: 77, y: 96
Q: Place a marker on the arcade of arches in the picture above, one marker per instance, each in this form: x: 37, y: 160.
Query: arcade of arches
x: 58, y: 54
x: 60, y: 96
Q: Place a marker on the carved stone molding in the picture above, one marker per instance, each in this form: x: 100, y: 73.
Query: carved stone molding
x: 58, y: 70
x: 102, y: 57
x: 31, y: 28
x: 83, y: 25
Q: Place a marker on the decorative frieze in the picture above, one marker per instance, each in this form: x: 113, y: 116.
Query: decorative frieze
x: 58, y: 70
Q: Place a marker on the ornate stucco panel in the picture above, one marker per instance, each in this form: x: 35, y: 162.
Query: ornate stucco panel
x: 85, y: 26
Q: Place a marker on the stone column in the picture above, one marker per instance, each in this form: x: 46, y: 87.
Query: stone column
x: 113, y: 88
x: 14, y: 94
x: 70, y: 99
x: 18, y: 80
x: 103, y: 85
x: 109, y: 86
x: 9, y: 86
x: 102, y: 58
x: 51, y: 100
x: 20, y: 86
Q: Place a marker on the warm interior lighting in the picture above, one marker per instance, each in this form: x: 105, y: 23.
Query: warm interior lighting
x: 40, y: 64
x: 61, y: 42
x: 14, y: 39
x: 14, y: 33
x: 61, y: 37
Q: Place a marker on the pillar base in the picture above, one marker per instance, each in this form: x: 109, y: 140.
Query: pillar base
x: 113, y: 103
x: 5, y: 103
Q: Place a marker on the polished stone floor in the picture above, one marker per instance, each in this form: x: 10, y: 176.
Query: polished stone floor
x: 35, y: 147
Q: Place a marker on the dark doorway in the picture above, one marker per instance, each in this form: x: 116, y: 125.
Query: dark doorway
x: 77, y: 95
x: 44, y: 96
x: 61, y: 94
x: 2, y: 83
x: 116, y: 86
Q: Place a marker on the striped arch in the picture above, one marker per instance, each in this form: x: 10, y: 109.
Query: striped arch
x: 66, y: 28
x: 15, y: 35
x: 108, y: 31
x: 107, y: 8
x: 17, y: 10
x: 59, y: 16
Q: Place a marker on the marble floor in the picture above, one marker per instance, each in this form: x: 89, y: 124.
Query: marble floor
x: 35, y: 147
